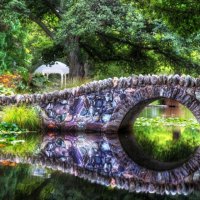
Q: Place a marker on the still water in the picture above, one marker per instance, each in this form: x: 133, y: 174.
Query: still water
x: 94, y: 152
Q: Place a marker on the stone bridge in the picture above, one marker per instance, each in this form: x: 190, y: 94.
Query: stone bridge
x: 110, y: 104
x: 104, y: 156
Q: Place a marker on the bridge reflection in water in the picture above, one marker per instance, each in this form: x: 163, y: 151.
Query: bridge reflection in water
x: 100, y: 158
x: 115, y: 159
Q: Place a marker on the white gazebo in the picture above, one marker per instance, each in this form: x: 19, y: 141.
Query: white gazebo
x: 56, y: 68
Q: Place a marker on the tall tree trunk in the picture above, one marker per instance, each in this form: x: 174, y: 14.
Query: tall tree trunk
x: 75, y: 63
x: 86, y: 68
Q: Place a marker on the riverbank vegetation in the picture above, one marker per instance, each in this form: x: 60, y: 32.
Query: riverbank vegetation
x: 20, y: 130
x: 24, y: 144
x: 25, y: 117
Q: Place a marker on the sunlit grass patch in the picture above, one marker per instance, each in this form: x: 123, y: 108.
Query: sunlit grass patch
x: 25, y: 117
x: 76, y: 82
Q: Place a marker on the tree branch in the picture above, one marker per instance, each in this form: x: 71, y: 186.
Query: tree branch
x: 194, y: 10
x: 36, y: 20
x: 43, y: 26
x: 103, y: 56
x: 52, y: 8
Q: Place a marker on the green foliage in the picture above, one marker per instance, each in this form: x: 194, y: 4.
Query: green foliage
x: 12, y: 42
x: 30, y: 83
x: 121, y: 33
x: 38, y: 81
x: 9, y: 134
x: 5, y: 90
x: 28, y: 186
x: 22, y: 85
x: 182, y: 16
x: 9, y: 127
x: 148, y: 130
x: 37, y: 42
x: 143, y: 36
x: 77, y: 82
x: 54, y: 83
x: 103, y: 71
x: 48, y: 192
x: 24, y: 117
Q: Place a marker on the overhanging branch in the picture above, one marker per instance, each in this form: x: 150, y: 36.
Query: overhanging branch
x: 43, y: 26
x: 52, y: 8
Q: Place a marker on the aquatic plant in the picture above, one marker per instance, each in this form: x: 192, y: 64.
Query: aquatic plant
x: 170, y: 121
x: 25, y: 117
x: 9, y: 134
x: 6, y: 127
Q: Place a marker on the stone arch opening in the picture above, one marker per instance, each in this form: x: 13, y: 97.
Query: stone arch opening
x: 140, y: 100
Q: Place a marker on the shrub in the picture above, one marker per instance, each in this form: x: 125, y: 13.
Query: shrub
x: 25, y: 117
x: 29, y: 82
x: 5, y: 90
x: 7, y: 80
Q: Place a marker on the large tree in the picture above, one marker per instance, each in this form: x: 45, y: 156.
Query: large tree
x: 128, y: 33
x: 109, y: 30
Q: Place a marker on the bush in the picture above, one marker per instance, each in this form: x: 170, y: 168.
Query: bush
x: 25, y: 117
x: 5, y: 90
x: 29, y: 82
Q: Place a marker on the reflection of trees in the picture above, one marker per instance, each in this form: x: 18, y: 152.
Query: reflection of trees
x: 173, y: 109
x: 8, y: 180
x: 16, y: 183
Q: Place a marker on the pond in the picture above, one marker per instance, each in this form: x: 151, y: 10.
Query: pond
x: 38, y: 165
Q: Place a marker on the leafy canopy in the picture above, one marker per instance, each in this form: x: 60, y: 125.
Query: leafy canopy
x: 143, y: 36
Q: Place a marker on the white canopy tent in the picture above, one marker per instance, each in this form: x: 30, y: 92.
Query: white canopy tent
x: 56, y: 68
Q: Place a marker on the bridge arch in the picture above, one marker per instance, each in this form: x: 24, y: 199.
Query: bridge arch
x: 144, y: 96
x: 127, y: 112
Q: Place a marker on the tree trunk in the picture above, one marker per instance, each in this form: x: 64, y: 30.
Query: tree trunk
x: 86, y: 68
x: 77, y: 68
